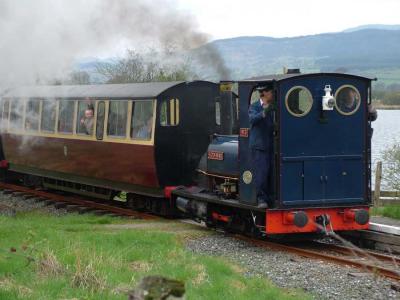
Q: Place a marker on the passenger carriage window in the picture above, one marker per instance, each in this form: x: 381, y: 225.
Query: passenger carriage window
x: 101, y: 112
x: 117, y: 118
x: 299, y: 101
x: 16, y: 114
x: 32, y: 115
x: 85, y: 117
x: 66, y: 116
x: 5, y: 113
x: 348, y: 100
x: 169, y: 113
x: 142, y: 120
x: 1, y: 108
x: 48, y: 121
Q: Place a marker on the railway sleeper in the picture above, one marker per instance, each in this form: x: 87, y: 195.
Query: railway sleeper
x: 59, y: 205
x: 48, y: 202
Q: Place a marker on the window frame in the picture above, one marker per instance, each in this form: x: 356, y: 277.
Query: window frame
x: 55, y: 116
x: 39, y: 115
x: 119, y: 137
x: 153, y: 111
x: 22, y: 117
x: 58, y: 116
x: 174, y: 114
x: 104, y: 122
x: 306, y: 112
x: 5, y: 118
x: 218, y: 113
x: 342, y: 87
x: 77, y: 119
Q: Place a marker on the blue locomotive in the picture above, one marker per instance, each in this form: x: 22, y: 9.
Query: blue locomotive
x: 321, y: 169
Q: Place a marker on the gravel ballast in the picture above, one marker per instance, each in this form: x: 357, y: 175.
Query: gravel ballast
x: 11, y: 204
x: 320, y: 279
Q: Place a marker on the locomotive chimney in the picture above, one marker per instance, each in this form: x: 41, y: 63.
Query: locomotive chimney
x: 290, y: 71
x: 293, y: 71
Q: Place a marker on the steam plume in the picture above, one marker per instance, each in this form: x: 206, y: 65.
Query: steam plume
x: 44, y: 38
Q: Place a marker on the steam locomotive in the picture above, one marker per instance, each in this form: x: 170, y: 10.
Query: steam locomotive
x: 182, y: 148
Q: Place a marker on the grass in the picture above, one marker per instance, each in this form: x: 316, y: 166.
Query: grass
x: 84, y: 257
x: 390, y: 211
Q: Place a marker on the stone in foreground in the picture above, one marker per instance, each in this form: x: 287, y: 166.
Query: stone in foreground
x: 158, y: 288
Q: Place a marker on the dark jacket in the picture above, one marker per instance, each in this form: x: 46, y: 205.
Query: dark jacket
x: 261, y: 128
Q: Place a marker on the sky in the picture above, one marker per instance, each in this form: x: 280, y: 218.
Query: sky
x: 45, y: 38
x: 287, y: 18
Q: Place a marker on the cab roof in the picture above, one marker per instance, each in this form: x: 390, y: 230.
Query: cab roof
x: 281, y: 77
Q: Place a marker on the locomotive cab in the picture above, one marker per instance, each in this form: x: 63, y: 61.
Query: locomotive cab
x: 320, y: 173
x: 322, y: 148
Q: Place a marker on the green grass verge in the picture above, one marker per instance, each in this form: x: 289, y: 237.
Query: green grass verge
x: 81, y: 257
x: 390, y: 211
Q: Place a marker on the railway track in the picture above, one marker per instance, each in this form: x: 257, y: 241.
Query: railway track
x: 73, y: 203
x: 365, y: 260
x: 368, y: 261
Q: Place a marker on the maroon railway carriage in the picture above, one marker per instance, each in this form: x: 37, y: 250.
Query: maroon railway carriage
x: 142, y: 137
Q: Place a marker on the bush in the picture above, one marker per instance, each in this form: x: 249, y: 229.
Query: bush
x: 391, y: 98
x: 391, y: 173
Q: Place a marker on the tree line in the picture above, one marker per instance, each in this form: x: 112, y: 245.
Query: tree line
x: 386, y: 94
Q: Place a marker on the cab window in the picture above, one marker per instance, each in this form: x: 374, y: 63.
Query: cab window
x: 255, y: 96
x: 32, y: 115
x: 348, y: 100
x: 142, y: 120
x: 117, y: 118
x: 66, y: 116
x: 48, y: 121
x: 218, y: 113
x: 299, y: 101
x: 169, y: 113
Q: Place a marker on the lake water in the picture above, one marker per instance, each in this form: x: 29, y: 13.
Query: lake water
x: 386, y: 133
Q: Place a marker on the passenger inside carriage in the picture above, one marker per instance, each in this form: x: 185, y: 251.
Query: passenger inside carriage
x: 144, y: 132
x: 88, y: 121
x: 142, y: 120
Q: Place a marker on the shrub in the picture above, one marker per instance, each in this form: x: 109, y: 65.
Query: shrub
x: 391, y: 173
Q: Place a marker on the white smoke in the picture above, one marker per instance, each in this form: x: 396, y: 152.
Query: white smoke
x: 43, y: 39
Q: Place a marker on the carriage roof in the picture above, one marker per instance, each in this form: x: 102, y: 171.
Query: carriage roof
x: 129, y: 90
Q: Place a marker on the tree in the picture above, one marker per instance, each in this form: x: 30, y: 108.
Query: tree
x: 140, y: 68
x: 391, y: 176
x: 79, y: 77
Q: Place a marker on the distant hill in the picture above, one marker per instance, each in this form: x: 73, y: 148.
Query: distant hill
x: 373, y: 26
x: 369, y: 49
x: 355, y: 51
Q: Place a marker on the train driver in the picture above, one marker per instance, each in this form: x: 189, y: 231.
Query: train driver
x: 349, y: 101
x: 261, y: 142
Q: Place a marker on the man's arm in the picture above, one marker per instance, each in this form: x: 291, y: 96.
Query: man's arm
x: 255, y: 116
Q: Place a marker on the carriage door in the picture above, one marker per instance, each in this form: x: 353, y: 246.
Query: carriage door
x: 322, y: 154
